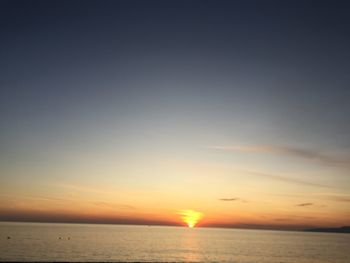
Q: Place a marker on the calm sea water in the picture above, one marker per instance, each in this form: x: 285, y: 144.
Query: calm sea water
x: 82, y: 242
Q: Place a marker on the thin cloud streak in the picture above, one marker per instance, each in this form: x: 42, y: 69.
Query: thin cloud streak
x: 232, y: 200
x: 228, y: 199
x: 286, y: 179
x: 340, y: 199
x: 82, y: 188
x: 305, y: 204
x: 290, y: 151
x: 113, y: 205
x: 327, y: 196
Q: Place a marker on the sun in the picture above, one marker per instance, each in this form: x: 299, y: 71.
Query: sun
x: 190, y: 217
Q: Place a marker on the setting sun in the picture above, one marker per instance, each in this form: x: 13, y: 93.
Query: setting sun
x: 190, y: 217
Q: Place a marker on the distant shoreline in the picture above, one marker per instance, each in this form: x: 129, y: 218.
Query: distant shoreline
x: 343, y: 229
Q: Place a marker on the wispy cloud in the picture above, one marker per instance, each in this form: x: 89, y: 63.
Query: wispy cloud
x: 113, y: 205
x: 290, y: 151
x: 232, y: 199
x: 340, y: 198
x: 335, y: 197
x: 282, y: 219
x: 48, y: 198
x: 228, y: 199
x: 285, y: 179
x: 83, y: 188
x: 305, y: 204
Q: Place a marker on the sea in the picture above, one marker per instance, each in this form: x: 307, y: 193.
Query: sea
x: 98, y: 242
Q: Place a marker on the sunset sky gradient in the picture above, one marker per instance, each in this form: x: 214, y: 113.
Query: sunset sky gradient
x: 133, y: 111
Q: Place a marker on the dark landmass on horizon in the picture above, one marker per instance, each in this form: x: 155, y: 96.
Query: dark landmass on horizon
x: 44, y: 217
x: 157, y: 223
x: 343, y: 229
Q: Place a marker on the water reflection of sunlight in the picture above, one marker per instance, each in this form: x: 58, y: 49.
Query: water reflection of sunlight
x: 191, y: 247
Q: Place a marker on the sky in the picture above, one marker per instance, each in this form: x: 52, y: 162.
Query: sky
x: 143, y: 112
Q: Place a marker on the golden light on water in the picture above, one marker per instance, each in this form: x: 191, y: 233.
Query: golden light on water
x: 190, y: 217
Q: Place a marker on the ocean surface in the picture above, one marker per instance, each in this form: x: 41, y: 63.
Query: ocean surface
x: 84, y: 242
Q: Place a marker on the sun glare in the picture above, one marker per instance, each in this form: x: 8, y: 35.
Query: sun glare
x: 190, y: 217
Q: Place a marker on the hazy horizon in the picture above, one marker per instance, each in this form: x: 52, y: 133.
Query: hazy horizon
x: 135, y: 222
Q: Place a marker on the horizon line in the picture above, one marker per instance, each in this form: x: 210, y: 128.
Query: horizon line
x: 297, y: 228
